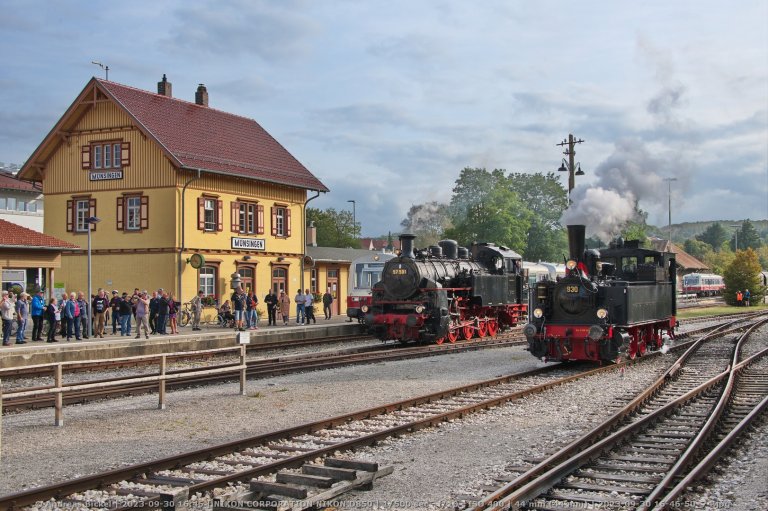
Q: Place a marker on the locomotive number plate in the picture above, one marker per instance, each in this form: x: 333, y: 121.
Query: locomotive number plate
x: 399, y: 271
x: 572, y: 289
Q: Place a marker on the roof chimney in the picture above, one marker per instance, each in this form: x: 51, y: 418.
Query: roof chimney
x: 164, y: 87
x: 201, y: 96
x: 312, y: 235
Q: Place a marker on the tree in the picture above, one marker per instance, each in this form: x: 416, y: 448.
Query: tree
x: 500, y: 219
x: 715, y: 235
x: 545, y: 197
x: 762, y: 254
x: 742, y: 274
x: 334, y: 228
x: 427, y: 221
x: 718, y: 261
x: 748, y: 237
x: 697, y: 249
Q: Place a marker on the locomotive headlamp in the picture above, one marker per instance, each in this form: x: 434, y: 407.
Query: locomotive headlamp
x: 602, y: 313
x: 538, y: 313
x: 364, y: 308
x: 571, y: 264
x: 419, y: 309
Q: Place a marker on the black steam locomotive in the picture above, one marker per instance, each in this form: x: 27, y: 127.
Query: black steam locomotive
x: 442, y: 293
x: 613, y: 303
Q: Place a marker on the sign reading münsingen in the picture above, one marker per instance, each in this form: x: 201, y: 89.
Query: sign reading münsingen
x: 105, y: 176
x: 248, y: 243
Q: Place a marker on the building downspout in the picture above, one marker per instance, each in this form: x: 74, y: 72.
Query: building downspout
x: 183, y: 231
x: 304, y: 234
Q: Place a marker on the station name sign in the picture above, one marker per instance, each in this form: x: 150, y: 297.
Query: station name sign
x: 106, y: 176
x: 248, y: 243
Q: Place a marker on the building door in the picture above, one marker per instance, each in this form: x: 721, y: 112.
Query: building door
x: 333, y: 283
x: 279, y: 280
x: 246, y: 276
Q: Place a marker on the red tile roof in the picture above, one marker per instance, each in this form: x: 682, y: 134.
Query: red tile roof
x: 683, y: 259
x: 197, y: 136
x: 12, y: 235
x: 10, y: 182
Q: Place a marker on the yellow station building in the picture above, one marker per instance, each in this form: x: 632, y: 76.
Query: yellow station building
x: 186, y: 195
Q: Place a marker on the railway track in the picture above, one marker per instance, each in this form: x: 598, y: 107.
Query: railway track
x: 635, y: 459
x: 11, y: 373
x: 14, y: 399
x: 168, y: 480
x: 257, y: 457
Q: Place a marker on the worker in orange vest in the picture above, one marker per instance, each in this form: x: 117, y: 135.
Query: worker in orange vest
x: 739, y: 297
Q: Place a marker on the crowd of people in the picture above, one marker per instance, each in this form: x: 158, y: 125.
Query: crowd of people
x: 152, y: 314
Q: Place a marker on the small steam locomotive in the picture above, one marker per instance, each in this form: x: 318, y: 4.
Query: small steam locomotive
x: 442, y: 293
x: 613, y: 303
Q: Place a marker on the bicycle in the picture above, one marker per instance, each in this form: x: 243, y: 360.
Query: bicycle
x: 185, y: 315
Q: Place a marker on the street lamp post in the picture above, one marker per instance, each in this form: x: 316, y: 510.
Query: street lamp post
x: 736, y: 234
x: 354, y: 217
x: 90, y: 222
x: 669, y: 183
x: 573, y: 169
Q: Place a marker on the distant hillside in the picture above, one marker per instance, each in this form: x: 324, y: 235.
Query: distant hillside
x: 687, y: 230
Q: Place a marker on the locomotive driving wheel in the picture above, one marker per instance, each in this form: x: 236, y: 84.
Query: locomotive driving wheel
x: 482, y: 328
x: 467, y: 331
x: 440, y: 340
x: 453, y: 335
x: 493, y: 327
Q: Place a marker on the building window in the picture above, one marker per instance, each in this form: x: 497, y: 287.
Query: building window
x: 132, y: 213
x: 21, y: 205
x: 32, y: 207
x: 3, y: 203
x: 208, y: 280
x: 247, y: 217
x: 11, y: 203
x: 79, y: 209
x: 106, y: 155
x: 209, y: 217
x: 313, y: 280
x: 281, y: 221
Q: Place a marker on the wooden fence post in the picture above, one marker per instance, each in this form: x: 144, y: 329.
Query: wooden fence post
x: 161, y: 403
x: 59, y: 419
x: 243, y: 370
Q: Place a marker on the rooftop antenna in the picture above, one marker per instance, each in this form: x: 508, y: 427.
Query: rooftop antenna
x: 104, y: 67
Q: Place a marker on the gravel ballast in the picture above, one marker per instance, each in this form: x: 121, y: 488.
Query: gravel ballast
x: 433, y: 468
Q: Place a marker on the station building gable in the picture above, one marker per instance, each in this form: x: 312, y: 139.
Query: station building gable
x: 168, y: 179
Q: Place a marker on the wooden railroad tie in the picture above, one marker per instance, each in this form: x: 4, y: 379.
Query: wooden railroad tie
x: 295, y: 491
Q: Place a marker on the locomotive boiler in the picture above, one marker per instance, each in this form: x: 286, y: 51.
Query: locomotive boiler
x: 613, y: 303
x: 447, y: 292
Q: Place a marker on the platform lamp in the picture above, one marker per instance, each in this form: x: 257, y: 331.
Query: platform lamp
x: 354, y: 216
x: 91, y: 221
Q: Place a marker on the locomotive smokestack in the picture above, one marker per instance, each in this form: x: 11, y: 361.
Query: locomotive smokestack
x: 406, y: 245
x: 576, y: 241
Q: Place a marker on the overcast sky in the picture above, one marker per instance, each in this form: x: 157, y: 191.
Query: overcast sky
x: 386, y: 102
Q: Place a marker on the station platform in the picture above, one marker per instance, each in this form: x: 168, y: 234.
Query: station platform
x: 210, y: 337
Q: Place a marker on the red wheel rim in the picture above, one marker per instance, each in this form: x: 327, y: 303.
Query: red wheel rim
x: 453, y: 335
x: 441, y: 340
x: 467, y: 332
x: 482, y: 329
x: 493, y: 328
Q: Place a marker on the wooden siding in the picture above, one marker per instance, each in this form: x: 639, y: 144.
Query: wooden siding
x: 149, y: 167
x: 30, y: 258
x: 244, y: 188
